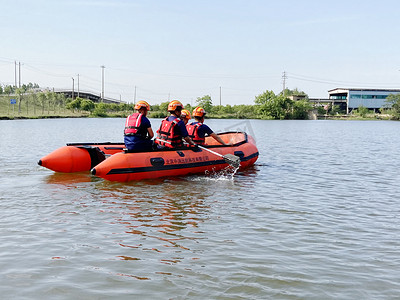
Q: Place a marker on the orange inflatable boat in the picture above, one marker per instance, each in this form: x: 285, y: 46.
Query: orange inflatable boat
x: 79, y: 157
x: 127, y: 166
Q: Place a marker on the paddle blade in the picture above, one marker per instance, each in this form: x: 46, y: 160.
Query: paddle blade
x: 233, y: 160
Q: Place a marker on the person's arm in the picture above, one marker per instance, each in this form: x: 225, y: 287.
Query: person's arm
x: 189, y: 140
x: 150, y: 133
x: 185, y: 134
x: 219, y: 140
x: 146, y: 123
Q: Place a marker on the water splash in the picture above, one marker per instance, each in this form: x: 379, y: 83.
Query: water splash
x: 226, y: 174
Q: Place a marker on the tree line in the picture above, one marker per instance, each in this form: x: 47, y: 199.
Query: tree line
x: 267, y: 105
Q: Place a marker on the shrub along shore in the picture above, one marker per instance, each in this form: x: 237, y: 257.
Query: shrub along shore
x: 28, y: 104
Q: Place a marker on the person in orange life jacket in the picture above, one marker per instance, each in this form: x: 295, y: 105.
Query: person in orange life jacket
x: 185, y: 116
x: 138, y: 132
x: 198, y: 131
x: 172, y: 129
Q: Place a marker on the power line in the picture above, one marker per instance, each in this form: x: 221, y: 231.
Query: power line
x: 330, y: 81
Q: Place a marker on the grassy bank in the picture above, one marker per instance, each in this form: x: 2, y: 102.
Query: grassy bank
x: 368, y: 117
x: 29, y: 107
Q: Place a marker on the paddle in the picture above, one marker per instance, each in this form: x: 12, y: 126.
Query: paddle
x: 231, y: 159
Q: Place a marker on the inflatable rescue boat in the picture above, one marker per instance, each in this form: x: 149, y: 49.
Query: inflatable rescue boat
x: 79, y: 157
x: 125, y: 166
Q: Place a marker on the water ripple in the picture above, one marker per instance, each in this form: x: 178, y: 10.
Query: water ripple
x: 316, y: 218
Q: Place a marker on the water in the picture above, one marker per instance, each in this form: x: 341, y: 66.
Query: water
x: 318, y: 217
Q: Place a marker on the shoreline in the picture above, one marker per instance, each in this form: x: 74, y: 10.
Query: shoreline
x: 40, y: 117
x: 320, y: 117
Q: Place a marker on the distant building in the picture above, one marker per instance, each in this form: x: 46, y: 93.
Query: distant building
x: 297, y: 97
x: 353, y: 98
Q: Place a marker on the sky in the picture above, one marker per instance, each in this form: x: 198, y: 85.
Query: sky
x: 232, y: 50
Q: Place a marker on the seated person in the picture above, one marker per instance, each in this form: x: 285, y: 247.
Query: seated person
x: 185, y: 116
x: 198, y: 131
x: 138, y: 132
x: 172, y: 129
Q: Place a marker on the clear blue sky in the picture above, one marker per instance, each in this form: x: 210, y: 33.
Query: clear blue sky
x: 184, y: 49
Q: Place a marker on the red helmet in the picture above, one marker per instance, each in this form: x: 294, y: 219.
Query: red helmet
x: 142, y: 104
x: 174, y: 105
x: 199, y: 112
x: 185, y: 114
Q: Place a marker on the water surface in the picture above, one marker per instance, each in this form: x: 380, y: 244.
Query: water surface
x: 317, y: 217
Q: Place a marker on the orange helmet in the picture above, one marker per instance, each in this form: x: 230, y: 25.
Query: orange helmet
x: 174, y: 104
x: 199, y: 112
x: 185, y: 114
x: 142, y: 104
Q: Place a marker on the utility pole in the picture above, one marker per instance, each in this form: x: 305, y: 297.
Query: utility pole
x: 102, y: 83
x: 19, y: 85
x: 73, y: 86
x: 15, y: 73
x: 78, y: 85
x: 284, y: 77
x: 220, y: 96
x: 134, y: 96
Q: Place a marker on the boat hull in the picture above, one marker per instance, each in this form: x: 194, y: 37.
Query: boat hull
x: 146, y: 165
x: 79, y: 157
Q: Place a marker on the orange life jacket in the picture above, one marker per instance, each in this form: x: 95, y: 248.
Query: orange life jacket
x: 167, y: 136
x: 193, y: 130
x: 132, y: 125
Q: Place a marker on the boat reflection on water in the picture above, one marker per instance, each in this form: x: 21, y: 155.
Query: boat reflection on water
x: 251, y: 171
x: 69, y: 178
x: 158, y: 216
x: 151, y: 220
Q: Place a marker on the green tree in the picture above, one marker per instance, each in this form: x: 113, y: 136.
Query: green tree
x: 75, y: 104
x: 205, y: 102
x: 243, y: 111
x: 295, y: 92
x: 273, y: 106
x: 164, y: 106
x: 336, y: 110
x: 87, y: 105
x: 189, y: 108
x: 8, y: 89
x: 393, y: 103
x: 301, y: 109
x: 155, y: 107
x: 42, y: 100
x: 60, y: 100
x: 50, y: 97
x: 362, y: 111
x: 228, y: 109
x: 19, y: 91
x: 100, y: 110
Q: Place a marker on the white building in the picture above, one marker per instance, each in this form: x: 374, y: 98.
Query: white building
x: 353, y: 98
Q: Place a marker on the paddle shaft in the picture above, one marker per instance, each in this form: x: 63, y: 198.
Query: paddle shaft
x: 232, y: 160
x: 213, y: 152
x: 201, y: 147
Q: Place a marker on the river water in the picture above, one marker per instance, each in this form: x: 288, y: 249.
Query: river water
x: 317, y: 217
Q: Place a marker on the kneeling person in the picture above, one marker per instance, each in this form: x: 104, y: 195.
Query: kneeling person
x: 138, y: 132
